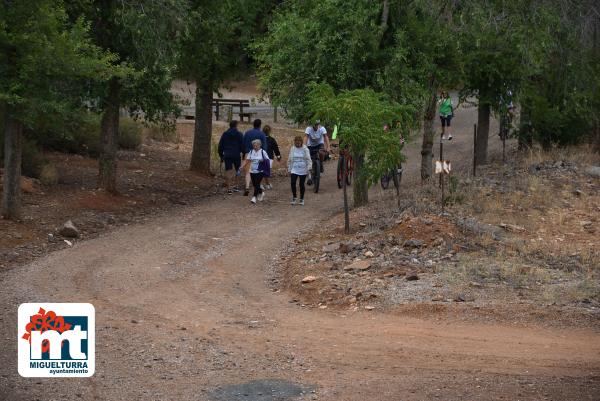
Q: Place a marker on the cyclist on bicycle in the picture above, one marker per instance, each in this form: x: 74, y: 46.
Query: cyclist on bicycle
x: 316, y: 138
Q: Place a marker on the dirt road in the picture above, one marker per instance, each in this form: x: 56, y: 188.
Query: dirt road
x: 185, y: 311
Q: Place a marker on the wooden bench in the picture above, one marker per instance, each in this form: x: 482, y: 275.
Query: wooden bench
x: 241, y: 103
x: 188, y: 112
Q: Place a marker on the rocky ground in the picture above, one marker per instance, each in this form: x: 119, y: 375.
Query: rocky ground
x: 520, y: 236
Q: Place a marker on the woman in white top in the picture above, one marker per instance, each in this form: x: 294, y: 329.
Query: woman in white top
x: 299, y: 164
x: 254, y: 158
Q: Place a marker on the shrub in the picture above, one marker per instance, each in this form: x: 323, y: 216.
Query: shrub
x: 455, y: 194
x: 130, y: 134
x: 49, y: 175
x: 163, y: 132
x: 81, y: 135
x: 32, y: 160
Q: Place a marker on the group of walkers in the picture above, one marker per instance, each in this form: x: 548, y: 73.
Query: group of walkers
x: 252, y: 154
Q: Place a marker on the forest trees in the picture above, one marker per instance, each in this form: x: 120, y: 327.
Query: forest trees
x: 406, y: 50
x: 502, y: 45
x: 212, y: 49
x: 142, y: 35
x: 41, y: 50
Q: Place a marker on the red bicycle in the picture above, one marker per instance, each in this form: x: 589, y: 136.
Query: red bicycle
x: 345, y: 168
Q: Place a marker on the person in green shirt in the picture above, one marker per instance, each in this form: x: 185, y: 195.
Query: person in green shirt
x: 446, y: 114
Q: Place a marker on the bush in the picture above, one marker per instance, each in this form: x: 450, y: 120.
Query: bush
x: 79, y: 135
x: 32, y: 160
x: 49, y: 175
x: 163, y: 132
x: 130, y: 134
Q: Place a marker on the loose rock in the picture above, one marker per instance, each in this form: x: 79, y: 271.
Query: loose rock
x: 412, y: 276
x: 308, y: 279
x: 359, y: 265
x: 593, y: 171
x: 413, y: 243
x: 69, y: 230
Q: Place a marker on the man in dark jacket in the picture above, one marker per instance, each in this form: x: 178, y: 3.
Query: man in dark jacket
x: 231, y: 147
x: 249, y: 136
x: 273, y: 152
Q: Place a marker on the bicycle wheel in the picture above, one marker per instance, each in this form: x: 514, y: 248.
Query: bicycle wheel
x: 316, y: 175
x: 385, y: 181
x: 340, y: 172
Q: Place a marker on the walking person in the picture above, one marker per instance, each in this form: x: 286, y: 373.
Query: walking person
x: 299, y: 164
x: 259, y: 163
x: 249, y: 136
x: 231, y: 147
x: 446, y: 113
x: 272, y: 151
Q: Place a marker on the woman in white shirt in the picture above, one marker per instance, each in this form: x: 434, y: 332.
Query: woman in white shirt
x: 299, y: 164
x: 254, y: 158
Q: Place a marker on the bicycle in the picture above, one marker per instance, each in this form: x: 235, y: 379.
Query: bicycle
x: 315, y: 177
x: 345, y: 167
x: 395, y: 175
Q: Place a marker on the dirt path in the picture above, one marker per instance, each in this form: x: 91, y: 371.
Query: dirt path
x: 184, y: 309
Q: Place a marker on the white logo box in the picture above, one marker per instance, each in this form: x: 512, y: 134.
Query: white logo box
x: 79, y: 364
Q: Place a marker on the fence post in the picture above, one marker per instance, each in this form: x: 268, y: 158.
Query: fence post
x: 275, y: 114
x: 441, y: 159
x: 474, y: 149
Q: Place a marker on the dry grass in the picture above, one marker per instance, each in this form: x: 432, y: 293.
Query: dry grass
x: 580, y: 154
x: 558, y: 210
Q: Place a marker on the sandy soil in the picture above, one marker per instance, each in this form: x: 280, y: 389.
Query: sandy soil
x: 185, y: 306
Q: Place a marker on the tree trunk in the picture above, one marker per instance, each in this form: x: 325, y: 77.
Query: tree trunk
x: 428, y: 136
x: 13, y: 148
x: 202, y: 129
x: 483, y: 132
x: 346, y: 207
x: 361, y: 187
x: 107, y: 178
x: 385, y: 14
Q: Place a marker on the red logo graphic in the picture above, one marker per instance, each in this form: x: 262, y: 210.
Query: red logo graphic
x: 44, y: 321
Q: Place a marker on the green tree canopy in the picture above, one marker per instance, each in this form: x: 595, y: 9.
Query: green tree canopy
x: 42, y: 53
x: 361, y: 115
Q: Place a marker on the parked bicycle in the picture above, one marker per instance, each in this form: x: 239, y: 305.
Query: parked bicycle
x: 394, y: 175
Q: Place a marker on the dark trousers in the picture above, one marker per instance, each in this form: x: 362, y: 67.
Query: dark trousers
x: 256, y: 179
x: 302, y: 187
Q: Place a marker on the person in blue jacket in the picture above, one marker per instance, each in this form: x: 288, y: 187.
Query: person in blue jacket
x: 231, y: 148
x: 249, y: 136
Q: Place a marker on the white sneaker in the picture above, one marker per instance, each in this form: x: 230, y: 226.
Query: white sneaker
x: 253, y: 200
x: 301, y: 202
x: 269, y: 186
x: 450, y: 137
x: 262, y: 187
x: 261, y: 196
x: 293, y: 202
